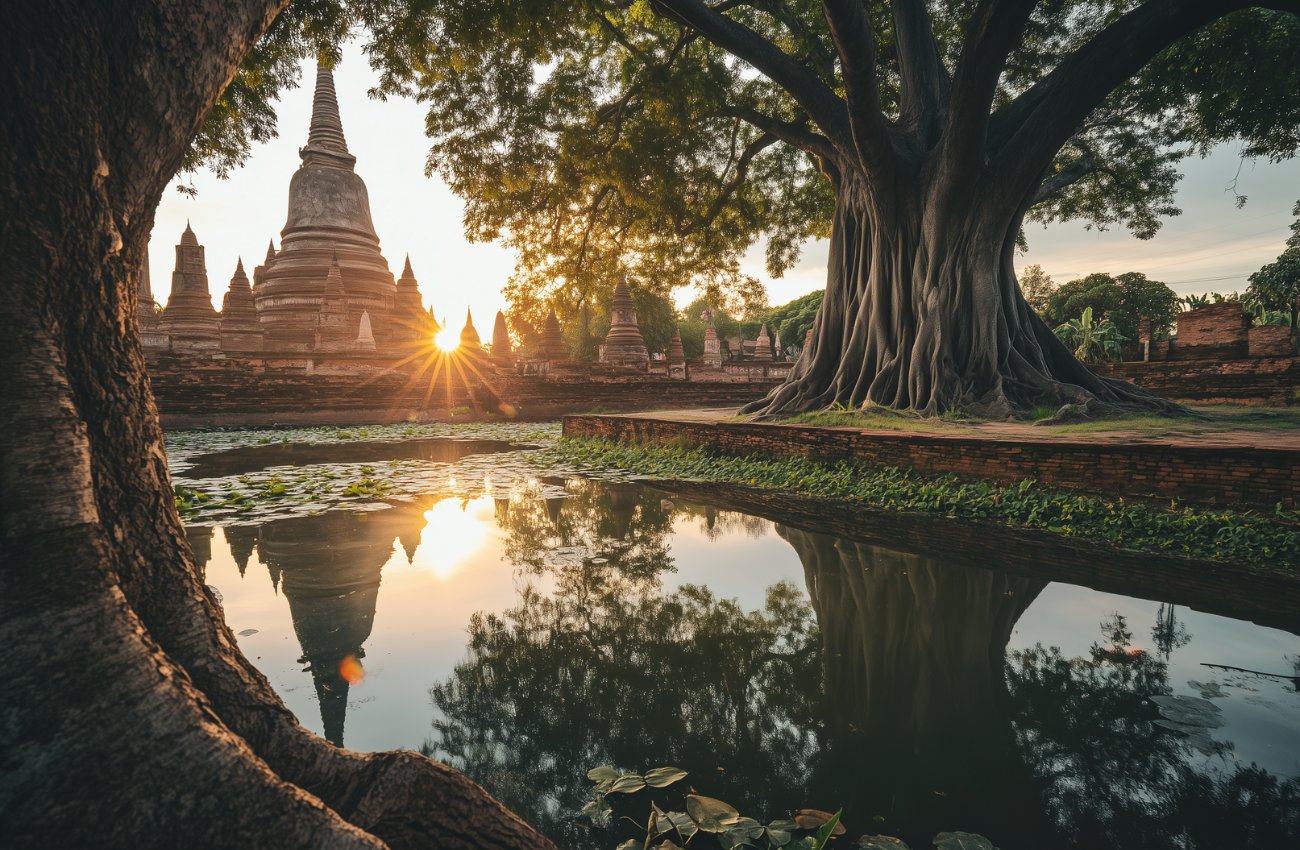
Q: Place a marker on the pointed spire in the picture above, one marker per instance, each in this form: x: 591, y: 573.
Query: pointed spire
x: 501, y: 350
x: 406, y: 270
x: 270, y: 250
x: 239, y: 269
x: 325, y: 138
x: 188, y: 237
x: 469, y: 337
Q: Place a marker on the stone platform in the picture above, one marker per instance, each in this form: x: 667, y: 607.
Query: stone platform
x: 1241, y: 469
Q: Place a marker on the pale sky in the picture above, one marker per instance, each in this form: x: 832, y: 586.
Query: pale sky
x: 1212, y: 246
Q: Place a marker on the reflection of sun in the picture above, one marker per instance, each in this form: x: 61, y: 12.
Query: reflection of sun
x: 453, y: 531
x: 446, y: 339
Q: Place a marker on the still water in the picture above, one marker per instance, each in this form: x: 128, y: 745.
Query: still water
x: 527, y: 631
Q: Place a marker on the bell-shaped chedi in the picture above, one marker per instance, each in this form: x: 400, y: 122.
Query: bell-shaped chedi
x: 240, y: 328
x: 502, y: 354
x: 329, y: 213
x: 469, y: 338
x: 552, y: 344
x: 189, y: 318
x: 410, y: 320
x: 624, y: 345
x: 763, y: 345
x: 333, y: 331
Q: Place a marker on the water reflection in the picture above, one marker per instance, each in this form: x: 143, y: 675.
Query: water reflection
x: 906, y: 689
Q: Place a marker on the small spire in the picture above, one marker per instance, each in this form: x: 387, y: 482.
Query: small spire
x: 326, y: 133
x: 270, y: 250
x: 188, y: 237
x: 239, y: 267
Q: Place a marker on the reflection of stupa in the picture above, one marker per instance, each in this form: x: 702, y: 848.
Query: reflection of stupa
x: 330, y: 570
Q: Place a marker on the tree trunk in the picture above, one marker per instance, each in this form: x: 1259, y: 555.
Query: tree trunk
x: 132, y: 719
x: 922, y: 311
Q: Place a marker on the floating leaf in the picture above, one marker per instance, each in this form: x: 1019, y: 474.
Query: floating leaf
x: 882, y: 842
x: 678, y: 822
x: 662, y: 777
x: 598, y: 812
x: 628, y: 783
x: 603, y: 774
x: 816, y: 819
x: 962, y: 841
x: 710, y: 815
x: 630, y: 844
x: 779, y: 832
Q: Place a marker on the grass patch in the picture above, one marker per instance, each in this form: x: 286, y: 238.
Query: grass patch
x: 1211, y: 535
x: 1213, y: 420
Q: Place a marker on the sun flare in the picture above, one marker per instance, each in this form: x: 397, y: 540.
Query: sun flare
x: 446, y: 340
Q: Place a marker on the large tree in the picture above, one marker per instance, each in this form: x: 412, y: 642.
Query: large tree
x: 131, y: 719
x: 664, y: 137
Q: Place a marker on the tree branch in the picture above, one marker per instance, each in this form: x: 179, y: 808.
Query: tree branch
x: 794, y: 133
x: 856, y: 46
x: 1086, y: 164
x: 994, y: 31
x: 925, y: 79
x: 823, y: 106
x: 1042, y: 119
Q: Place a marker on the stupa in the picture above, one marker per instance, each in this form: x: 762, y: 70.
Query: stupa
x: 712, y: 345
x: 552, y: 346
x: 329, y: 213
x: 502, y: 354
x: 189, y: 318
x: 676, y: 356
x: 763, y: 345
x: 624, y: 345
x: 240, y: 329
x: 410, y: 321
x: 146, y: 310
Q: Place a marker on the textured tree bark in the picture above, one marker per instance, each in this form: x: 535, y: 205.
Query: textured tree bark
x: 923, y: 311
x: 130, y: 716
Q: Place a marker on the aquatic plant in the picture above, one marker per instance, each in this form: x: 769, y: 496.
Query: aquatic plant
x: 1245, y: 537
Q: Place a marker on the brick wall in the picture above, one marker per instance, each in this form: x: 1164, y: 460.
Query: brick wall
x: 1216, y: 476
x: 1273, y: 381
x: 196, y: 391
x: 1271, y: 341
x: 1218, y: 331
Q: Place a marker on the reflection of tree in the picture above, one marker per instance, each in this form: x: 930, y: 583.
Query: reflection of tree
x: 329, y: 567
x: 595, y: 520
x: 1112, y: 778
x: 607, y: 669
x: 1168, y: 634
x: 920, y: 727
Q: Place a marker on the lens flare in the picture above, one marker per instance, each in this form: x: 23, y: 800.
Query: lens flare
x: 351, y: 670
x: 447, y: 339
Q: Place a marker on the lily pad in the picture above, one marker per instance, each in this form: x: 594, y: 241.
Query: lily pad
x: 882, y: 842
x: 628, y: 783
x: 710, y: 815
x: 247, y: 632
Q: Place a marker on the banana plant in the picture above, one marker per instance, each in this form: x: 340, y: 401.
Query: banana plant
x: 1092, y: 341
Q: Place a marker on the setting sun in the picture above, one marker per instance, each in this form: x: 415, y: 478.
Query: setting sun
x: 446, y: 339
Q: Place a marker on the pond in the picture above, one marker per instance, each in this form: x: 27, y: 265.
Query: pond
x: 525, y: 624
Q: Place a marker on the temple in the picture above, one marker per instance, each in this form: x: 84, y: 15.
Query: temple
x: 624, y: 345
x: 324, y: 330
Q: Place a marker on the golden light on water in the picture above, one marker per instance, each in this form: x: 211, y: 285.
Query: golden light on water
x: 351, y: 670
x: 447, y: 339
x: 454, y: 530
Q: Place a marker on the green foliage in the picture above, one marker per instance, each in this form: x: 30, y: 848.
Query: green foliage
x: 1123, y: 300
x: 1276, y: 286
x: 1036, y: 285
x: 604, y: 137
x: 1211, y: 535
x: 1093, y: 342
x: 793, y: 320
